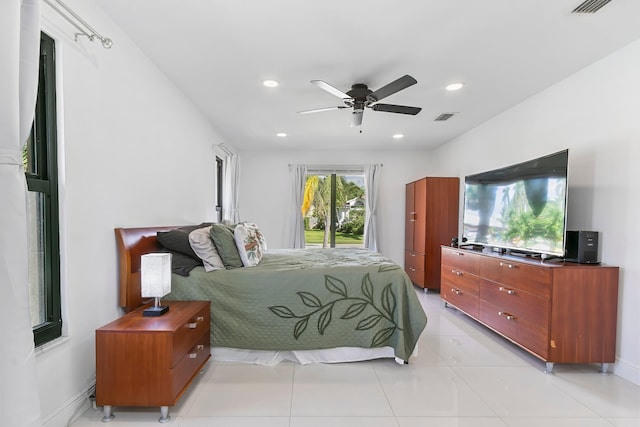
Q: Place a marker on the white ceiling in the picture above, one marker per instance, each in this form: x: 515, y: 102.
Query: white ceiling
x: 219, y: 52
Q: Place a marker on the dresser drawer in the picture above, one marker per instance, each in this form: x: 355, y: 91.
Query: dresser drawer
x: 518, y: 329
x: 460, y: 279
x: 459, y: 297
x: 517, y: 302
x: 189, y: 333
x: 463, y: 260
x: 533, y: 279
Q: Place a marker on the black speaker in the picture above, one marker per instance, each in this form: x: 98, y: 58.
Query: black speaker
x: 582, y: 246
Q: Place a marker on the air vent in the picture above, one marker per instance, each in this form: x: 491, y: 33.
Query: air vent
x: 590, y: 6
x: 444, y: 116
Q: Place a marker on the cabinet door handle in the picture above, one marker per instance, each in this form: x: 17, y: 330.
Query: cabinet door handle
x: 456, y: 291
x: 508, y: 291
x: 194, y: 325
x: 457, y: 273
x: 196, y: 350
x: 508, y: 316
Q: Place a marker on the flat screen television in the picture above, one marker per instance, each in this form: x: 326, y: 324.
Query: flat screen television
x: 519, y: 208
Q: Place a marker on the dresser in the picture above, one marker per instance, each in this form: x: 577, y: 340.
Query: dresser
x: 560, y: 312
x: 431, y: 220
x: 150, y: 361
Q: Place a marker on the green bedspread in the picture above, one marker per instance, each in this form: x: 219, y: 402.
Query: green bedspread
x: 305, y: 299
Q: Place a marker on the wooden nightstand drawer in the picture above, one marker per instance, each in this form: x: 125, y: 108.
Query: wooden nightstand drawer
x: 185, y: 338
x: 189, y: 365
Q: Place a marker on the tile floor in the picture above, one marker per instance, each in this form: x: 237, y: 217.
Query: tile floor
x: 463, y: 376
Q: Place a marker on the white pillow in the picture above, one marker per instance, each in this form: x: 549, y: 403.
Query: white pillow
x: 202, y: 245
x: 249, y: 243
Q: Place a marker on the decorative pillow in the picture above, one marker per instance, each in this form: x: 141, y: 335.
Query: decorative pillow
x: 202, y: 245
x: 248, y: 240
x: 225, y: 244
x: 177, y: 240
x: 261, y: 240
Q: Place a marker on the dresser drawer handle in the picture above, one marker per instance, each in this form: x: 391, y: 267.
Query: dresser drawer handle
x: 457, y: 273
x: 196, y: 350
x: 412, y: 269
x: 194, y: 325
x: 504, y: 264
x: 508, y: 316
x: 456, y: 291
x: 508, y: 291
x: 458, y: 253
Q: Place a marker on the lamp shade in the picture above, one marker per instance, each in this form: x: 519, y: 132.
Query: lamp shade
x: 155, y: 276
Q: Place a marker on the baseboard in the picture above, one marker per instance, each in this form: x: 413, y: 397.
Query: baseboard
x: 71, y: 409
x: 627, y: 371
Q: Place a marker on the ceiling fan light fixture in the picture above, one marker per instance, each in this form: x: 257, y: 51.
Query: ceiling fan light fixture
x: 454, y: 86
x: 270, y: 83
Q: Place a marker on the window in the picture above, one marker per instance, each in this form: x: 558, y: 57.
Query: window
x: 41, y: 169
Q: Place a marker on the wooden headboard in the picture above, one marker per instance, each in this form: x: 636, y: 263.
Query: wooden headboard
x: 132, y: 243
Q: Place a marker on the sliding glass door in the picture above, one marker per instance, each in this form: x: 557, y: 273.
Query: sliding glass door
x: 334, y: 209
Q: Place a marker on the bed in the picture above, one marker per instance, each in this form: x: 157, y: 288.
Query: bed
x: 306, y: 305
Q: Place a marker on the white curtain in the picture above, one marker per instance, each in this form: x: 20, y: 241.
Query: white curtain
x: 296, y: 222
x: 371, y: 181
x: 19, y: 57
x: 230, y: 191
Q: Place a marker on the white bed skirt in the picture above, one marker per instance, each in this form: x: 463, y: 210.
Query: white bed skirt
x: 303, y: 357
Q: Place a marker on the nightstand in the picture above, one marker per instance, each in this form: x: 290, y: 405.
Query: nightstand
x: 150, y: 361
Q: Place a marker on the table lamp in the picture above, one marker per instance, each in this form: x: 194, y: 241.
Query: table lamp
x: 155, y: 280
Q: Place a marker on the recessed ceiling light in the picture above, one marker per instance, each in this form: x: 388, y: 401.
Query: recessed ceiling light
x: 270, y: 83
x: 455, y: 86
x: 398, y: 136
x: 281, y: 135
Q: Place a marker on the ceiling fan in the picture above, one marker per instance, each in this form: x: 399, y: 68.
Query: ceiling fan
x: 360, y: 96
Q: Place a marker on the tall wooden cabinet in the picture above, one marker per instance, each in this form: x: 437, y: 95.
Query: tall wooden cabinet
x: 431, y: 221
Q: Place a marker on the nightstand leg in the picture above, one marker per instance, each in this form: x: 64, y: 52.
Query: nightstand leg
x: 108, y: 413
x: 164, y: 414
x: 549, y: 368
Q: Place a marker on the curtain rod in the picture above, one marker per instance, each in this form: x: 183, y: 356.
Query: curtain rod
x: 335, y: 168
x: 77, y: 21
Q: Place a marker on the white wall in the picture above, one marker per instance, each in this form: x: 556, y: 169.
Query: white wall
x: 596, y: 115
x: 265, y: 189
x: 133, y: 152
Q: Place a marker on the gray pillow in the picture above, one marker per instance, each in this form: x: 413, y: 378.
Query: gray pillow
x: 225, y: 244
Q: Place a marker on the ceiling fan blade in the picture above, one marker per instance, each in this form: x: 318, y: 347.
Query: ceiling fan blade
x: 356, y: 118
x: 390, y: 108
x: 393, y: 87
x: 332, y: 90
x: 318, y: 110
